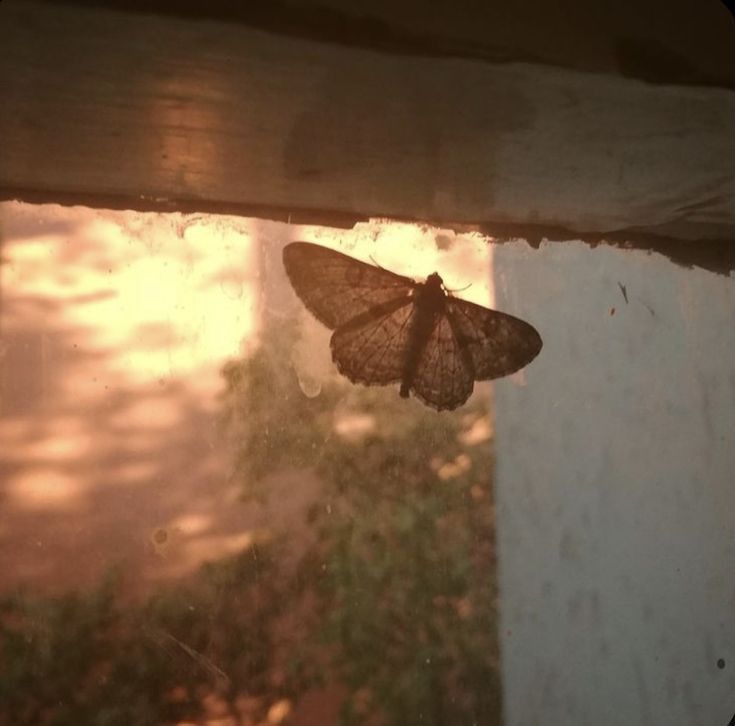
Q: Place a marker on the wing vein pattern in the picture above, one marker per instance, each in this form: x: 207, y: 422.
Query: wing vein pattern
x: 375, y: 350
x: 336, y: 288
x: 380, y: 336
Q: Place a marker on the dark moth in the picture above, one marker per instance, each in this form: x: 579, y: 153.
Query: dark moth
x: 390, y: 329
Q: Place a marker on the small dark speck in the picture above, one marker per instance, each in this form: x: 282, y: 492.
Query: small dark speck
x: 721, y: 663
x: 612, y: 311
x: 443, y: 241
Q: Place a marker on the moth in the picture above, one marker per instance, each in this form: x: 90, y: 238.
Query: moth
x: 391, y: 329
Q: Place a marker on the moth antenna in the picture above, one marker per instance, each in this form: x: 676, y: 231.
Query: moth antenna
x: 461, y: 289
x: 377, y: 264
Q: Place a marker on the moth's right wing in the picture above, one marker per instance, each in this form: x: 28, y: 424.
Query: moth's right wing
x: 336, y: 288
x: 444, y: 376
x: 497, y: 344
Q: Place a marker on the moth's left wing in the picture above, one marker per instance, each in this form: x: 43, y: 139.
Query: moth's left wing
x: 371, y: 348
x: 497, y: 344
x: 337, y: 288
x: 444, y: 377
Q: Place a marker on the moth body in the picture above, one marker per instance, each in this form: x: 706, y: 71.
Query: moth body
x: 429, y: 300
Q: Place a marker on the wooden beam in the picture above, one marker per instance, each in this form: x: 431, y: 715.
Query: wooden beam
x: 171, y: 112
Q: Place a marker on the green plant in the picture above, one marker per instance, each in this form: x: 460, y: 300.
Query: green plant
x: 90, y: 658
x: 389, y: 591
x: 403, y: 558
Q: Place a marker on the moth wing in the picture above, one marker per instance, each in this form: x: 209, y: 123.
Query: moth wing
x: 497, y: 344
x: 371, y: 348
x: 336, y: 288
x: 444, y: 377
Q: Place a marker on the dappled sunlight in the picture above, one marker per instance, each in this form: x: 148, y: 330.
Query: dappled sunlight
x: 155, y: 412
x: 142, y: 291
x: 480, y: 430
x: 43, y: 488
x: 184, y: 460
x: 178, y: 547
x: 203, y: 548
x: 116, y: 326
x: 458, y: 466
x: 194, y: 523
x: 63, y: 446
x: 279, y: 711
x: 354, y: 426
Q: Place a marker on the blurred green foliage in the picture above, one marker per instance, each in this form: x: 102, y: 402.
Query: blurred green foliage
x: 390, y: 593
x: 403, y: 561
x: 96, y: 658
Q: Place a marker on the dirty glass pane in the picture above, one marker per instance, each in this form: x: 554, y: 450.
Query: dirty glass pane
x: 203, y: 521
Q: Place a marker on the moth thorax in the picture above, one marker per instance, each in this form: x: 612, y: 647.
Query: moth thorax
x: 431, y: 296
x: 433, y: 290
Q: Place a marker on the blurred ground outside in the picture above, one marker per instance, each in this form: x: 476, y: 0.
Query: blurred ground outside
x: 117, y: 328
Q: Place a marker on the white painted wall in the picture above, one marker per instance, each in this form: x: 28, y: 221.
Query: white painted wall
x: 616, y: 494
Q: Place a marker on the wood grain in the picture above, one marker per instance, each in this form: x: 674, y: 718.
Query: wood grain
x: 168, y: 112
